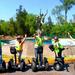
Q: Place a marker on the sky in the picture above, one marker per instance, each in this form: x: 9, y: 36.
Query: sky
x: 8, y: 8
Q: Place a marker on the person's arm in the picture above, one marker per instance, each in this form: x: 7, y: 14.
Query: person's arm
x: 46, y: 38
x: 70, y: 36
x: 24, y: 39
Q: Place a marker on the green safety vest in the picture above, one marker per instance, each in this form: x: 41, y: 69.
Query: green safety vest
x: 57, y: 45
x: 39, y: 41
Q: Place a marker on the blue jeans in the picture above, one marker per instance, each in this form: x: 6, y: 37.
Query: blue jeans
x: 38, y: 56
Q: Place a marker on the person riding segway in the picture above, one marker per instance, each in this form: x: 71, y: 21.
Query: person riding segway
x: 14, y: 50
x: 57, y: 48
x: 38, y: 64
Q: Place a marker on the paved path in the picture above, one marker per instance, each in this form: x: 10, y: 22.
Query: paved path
x: 50, y: 72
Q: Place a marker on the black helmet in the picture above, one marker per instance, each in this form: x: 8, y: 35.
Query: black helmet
x: 18, y: 37
x: 55, y: 38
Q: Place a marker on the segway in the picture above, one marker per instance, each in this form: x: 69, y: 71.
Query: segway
x: 12, y: 64
x: 2, y: 62
x: 35, y: 66
x: 59, y: 61
x: 59, y: 64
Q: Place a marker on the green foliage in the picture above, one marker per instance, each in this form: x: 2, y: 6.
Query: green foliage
x: 26, y: 23
x: 31, y: 24
x: 62, y: 30
x: 4, y: 27
x: 21, y: 19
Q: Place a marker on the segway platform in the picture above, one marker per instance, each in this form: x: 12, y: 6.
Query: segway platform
x: 36, y: 67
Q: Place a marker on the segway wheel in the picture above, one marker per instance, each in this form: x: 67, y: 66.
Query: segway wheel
x: 4, y: 66
x: 22, y: 65
x: 10, y: 65
x: 46, y: 63
x: 58, y: 66
x: 33, y: 66
x: 47, y: 66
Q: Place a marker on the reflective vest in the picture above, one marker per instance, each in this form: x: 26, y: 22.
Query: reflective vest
x: 39, y: 41
x: 18, y: 46
x: 57, y: 45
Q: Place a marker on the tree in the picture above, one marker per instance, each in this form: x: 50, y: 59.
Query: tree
x: 49, y: 21
x: 57, y: 10
x: 40, y: 19
x: 60, y: 19
x: 4, y: 27
x: 31, y: 24
x: 11, y: 27
x: 67, y: 4
x: 57, y: 13
x: 21, y: 19
x: 73, y: 18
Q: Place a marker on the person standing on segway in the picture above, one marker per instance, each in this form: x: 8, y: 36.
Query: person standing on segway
x: 57, y: 47
x: 19, y: 46
x: 39, y: 48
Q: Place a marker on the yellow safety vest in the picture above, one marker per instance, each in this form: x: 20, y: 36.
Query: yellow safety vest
x: 18, y: 46
x: 38, y: 41
x: 57, y: 45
